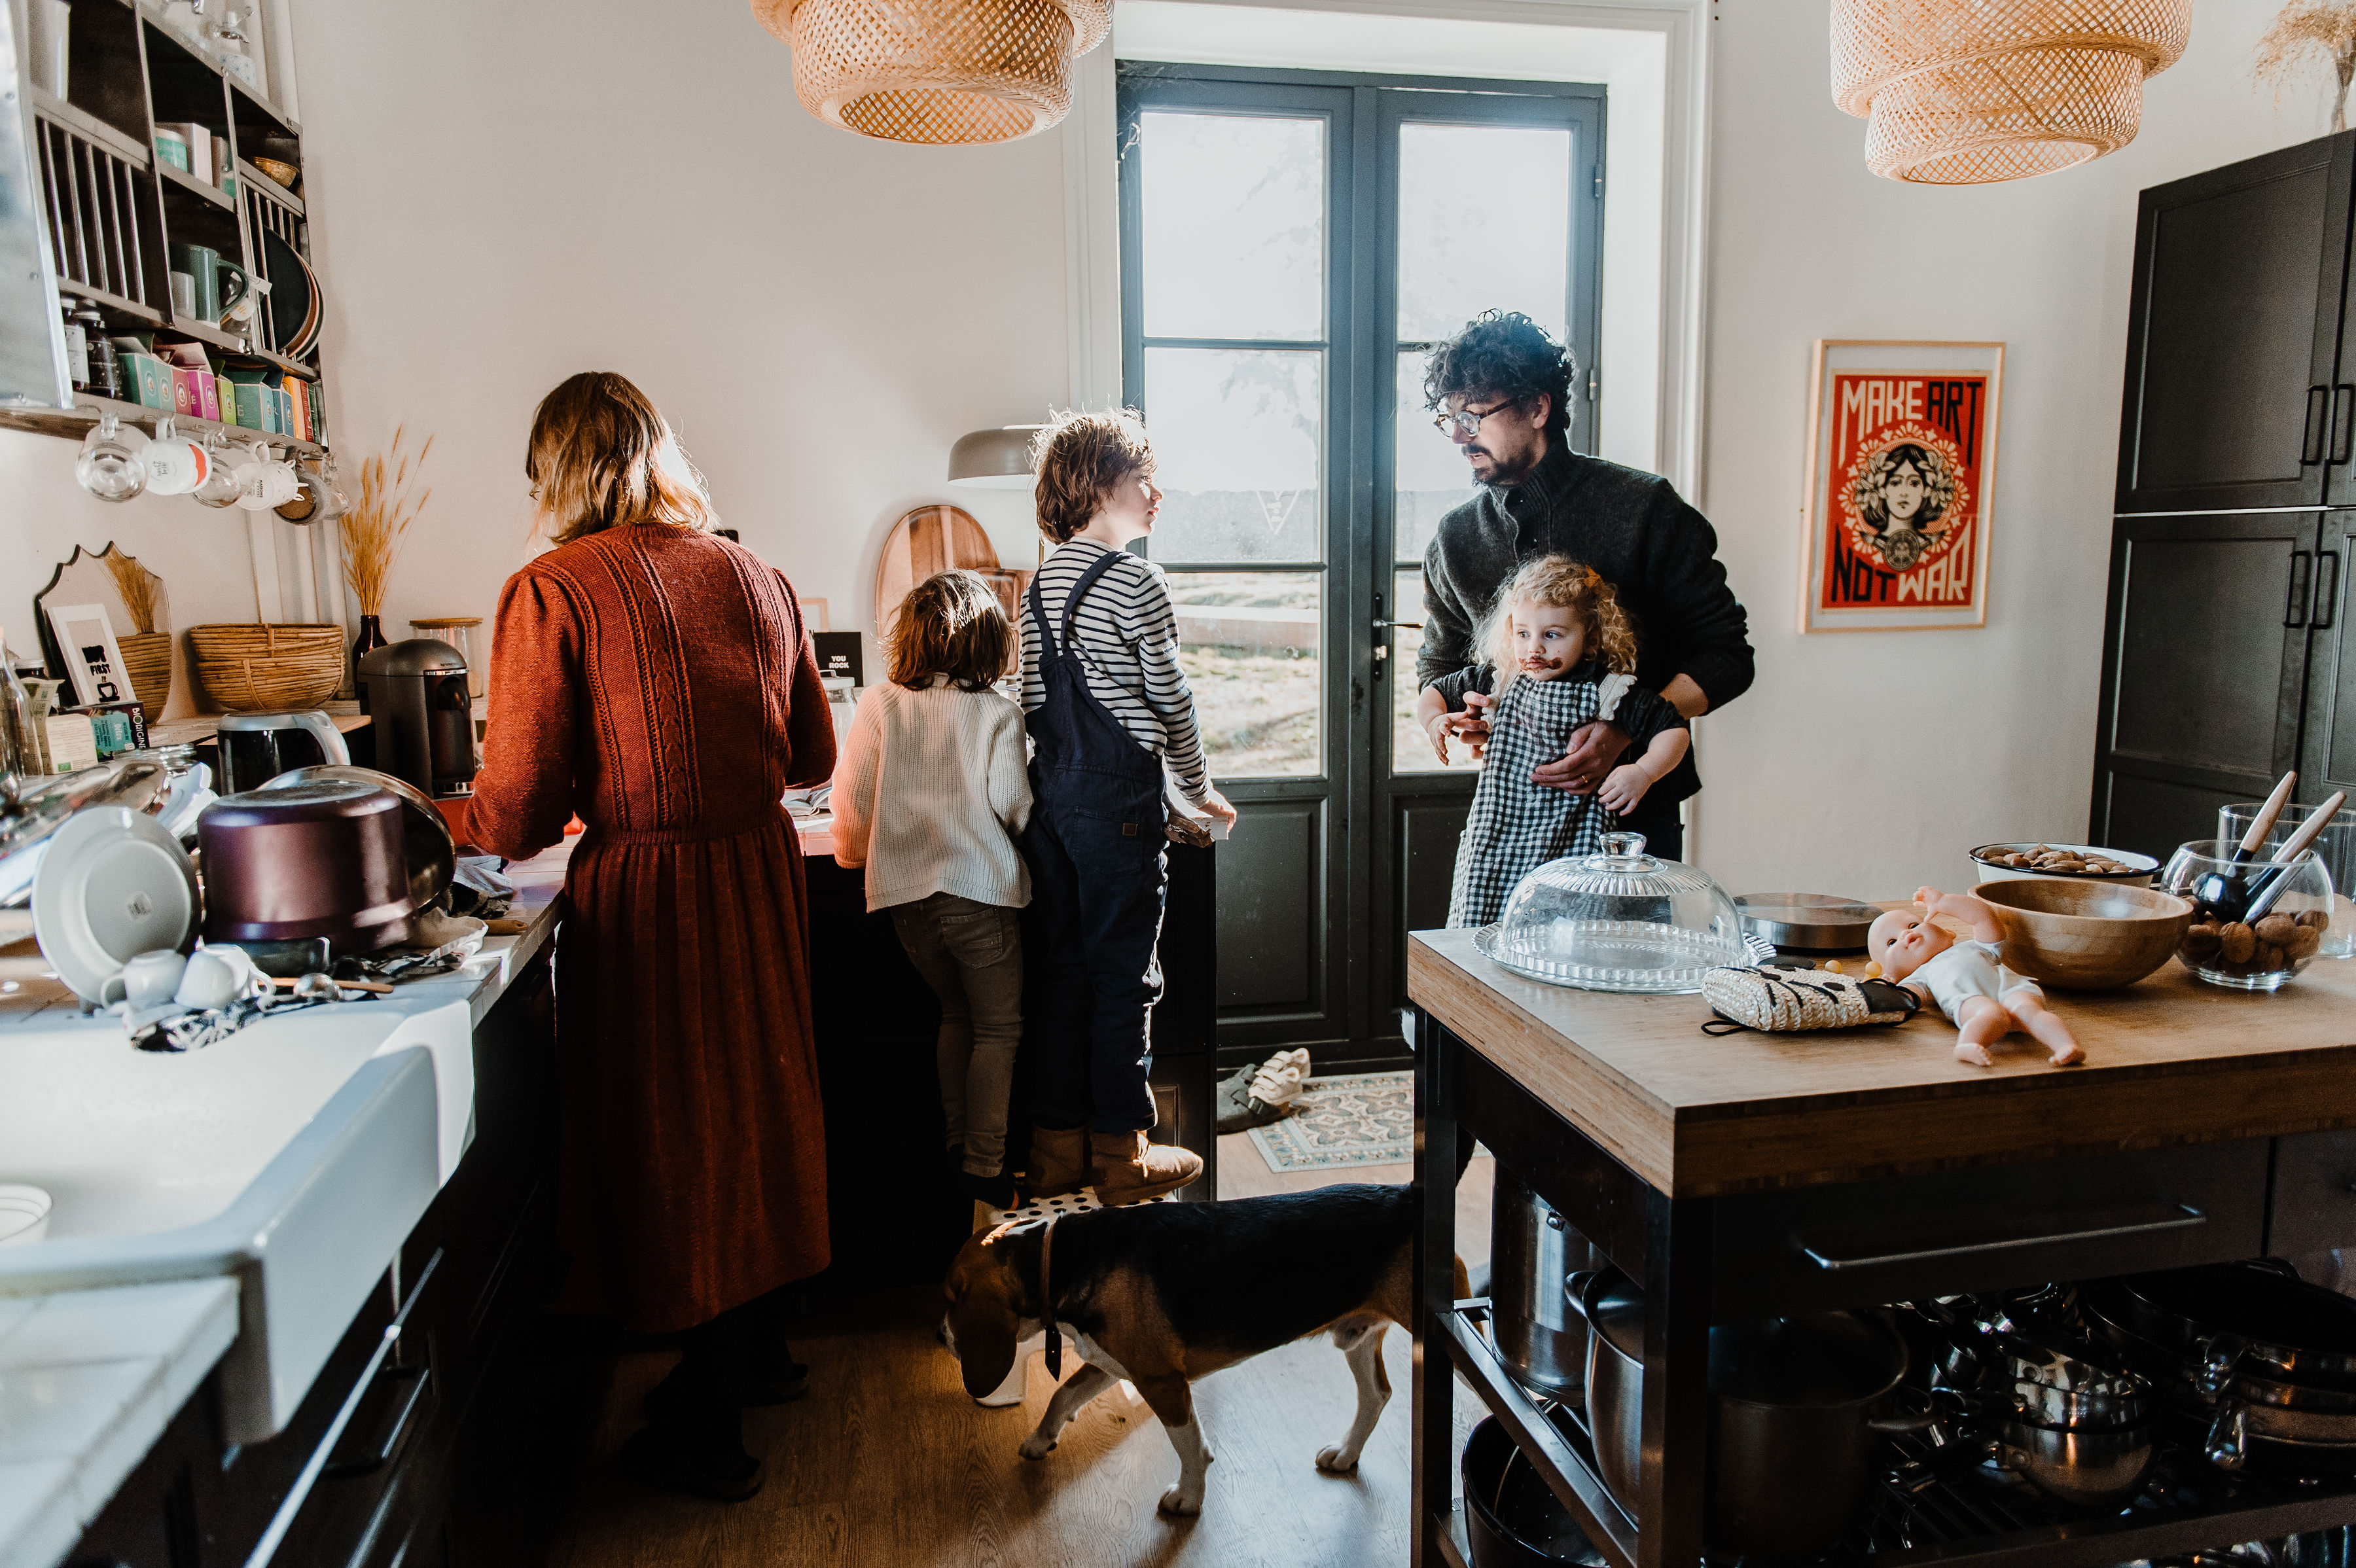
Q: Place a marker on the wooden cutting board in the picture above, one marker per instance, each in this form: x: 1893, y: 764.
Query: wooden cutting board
x: 928, y: 540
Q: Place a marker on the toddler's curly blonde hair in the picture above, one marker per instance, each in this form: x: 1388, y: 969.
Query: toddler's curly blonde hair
x: 1559, y: 582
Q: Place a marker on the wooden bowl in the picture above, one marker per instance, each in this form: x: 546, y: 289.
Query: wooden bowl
x: 2084, y: 936
x: 284, y: 173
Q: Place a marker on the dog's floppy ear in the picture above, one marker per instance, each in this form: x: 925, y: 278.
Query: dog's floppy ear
x: 982, y: 1322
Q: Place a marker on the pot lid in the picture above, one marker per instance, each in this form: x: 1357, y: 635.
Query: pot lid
x: 323, y: 801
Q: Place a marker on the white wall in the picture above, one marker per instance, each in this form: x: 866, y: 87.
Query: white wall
x: 1866, y: 763
x: 507, y: 194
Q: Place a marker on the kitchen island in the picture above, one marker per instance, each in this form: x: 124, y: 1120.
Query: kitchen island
x: 1743, y: 1176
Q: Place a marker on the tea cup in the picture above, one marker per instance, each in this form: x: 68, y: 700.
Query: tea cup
x: 176, y: 465
x: 150, y: 980
x: 267, y: 482
x: 214, y: 978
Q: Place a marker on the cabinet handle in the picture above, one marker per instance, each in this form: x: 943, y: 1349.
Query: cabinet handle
x: 2294, y: 606
x: 2319, y: 415
x: 2343, y: 420
x: 419, y: 1379
x: 2184, y: 1219
x: 2327, y: 588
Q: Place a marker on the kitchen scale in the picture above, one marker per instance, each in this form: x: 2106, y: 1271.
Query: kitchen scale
x: 1807, y: 922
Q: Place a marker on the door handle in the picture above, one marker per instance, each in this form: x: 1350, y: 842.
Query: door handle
x: 2319, y: 415
x: 2185, y: 1217
x: 2327, y: 588
x: 2343, y: 420
x: 2294, y: 606
x: 1399, y: 625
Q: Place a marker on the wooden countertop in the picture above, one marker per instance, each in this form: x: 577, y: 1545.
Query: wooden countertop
x: 2170, y: 1060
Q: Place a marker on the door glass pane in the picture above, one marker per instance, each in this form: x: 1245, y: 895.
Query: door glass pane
x: 1485, y: 220
x: 1234, y: 226
x: 1410, y: 747
x: 1237, y: 434
x: 1250, y: 642
x: 1432, y: 476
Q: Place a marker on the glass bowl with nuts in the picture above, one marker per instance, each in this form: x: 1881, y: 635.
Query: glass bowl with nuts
x: 2267, y: 921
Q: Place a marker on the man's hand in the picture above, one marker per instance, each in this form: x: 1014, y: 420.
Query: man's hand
x: 1593, y: 751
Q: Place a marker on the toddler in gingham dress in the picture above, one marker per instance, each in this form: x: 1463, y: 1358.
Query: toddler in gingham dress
x: 1559, y: 653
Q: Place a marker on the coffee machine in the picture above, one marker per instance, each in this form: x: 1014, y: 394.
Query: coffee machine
x: 257, y: 747
x: 415, y: 692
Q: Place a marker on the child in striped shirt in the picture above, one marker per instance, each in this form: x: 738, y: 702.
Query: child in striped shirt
x: 1112, y: 723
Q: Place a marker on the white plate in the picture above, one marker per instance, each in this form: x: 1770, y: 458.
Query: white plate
x: 23, y: 1214
x: 112, y: 885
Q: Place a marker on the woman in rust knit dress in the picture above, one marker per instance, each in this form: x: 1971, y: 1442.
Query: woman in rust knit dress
x: 657, y: 681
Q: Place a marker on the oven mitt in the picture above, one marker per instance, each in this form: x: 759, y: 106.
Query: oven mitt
x: 1779, y: 1000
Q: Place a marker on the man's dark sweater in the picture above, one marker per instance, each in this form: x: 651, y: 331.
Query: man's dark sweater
x: 1660, y: 555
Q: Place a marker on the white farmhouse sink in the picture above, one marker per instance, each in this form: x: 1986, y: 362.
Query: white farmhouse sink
x: 296, y: 1155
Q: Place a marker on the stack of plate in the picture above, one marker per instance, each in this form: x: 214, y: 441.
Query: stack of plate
x: 294, y: 303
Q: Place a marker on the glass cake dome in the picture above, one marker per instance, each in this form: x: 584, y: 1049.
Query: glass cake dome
x: 1620, y: 920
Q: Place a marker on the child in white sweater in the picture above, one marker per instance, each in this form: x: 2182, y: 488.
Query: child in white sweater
x: 930, y: 789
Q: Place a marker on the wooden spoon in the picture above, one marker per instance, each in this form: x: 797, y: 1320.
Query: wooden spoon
x: 2272, y: 883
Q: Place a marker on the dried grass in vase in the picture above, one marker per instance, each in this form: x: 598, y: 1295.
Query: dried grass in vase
x: 137, y: 586
x: 378, y: 521
x: 2305, y: 33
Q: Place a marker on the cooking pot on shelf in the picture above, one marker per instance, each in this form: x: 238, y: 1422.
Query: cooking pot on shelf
x: 1511, y: 1518
x: 325, y: 859
x: 1532, y: 1250
x: 1798, y: 1406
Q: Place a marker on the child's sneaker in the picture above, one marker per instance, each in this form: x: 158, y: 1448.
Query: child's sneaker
x: 1255, y: 1096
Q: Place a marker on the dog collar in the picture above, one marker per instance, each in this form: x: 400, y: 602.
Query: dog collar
x: 1047, y: 1307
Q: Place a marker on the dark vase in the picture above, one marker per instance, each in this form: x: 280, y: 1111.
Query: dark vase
x: 371, y: 636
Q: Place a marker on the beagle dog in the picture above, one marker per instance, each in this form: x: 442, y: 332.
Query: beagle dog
x: 1161, y: 1294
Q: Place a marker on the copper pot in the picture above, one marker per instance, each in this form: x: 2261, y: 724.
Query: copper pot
x: 310, y: 860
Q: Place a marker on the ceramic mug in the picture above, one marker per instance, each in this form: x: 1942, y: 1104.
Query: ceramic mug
x: 267, y: 482
x: 214, y: 978
x: 176, y: 465
x: 149, y: 980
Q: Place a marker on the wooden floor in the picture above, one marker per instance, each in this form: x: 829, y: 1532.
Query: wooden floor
x: 888, y: 1464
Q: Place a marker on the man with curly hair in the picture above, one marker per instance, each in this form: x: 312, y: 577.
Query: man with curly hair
x: 1501, y: 389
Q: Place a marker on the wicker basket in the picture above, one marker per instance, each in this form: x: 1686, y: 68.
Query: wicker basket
x: 148, y: 660
x: 261, y: 669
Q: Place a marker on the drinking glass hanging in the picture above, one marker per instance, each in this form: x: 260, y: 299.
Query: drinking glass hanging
x: 940, y: 71
x: 1974, y: 91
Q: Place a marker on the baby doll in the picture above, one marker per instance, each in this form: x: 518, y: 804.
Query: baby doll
x: 1986, y: 999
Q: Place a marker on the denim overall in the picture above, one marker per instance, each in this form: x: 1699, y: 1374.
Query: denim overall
x: 1097, y: 877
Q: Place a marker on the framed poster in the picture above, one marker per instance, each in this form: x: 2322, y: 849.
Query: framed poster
x: 1902, y: 468
x: 93, y: 659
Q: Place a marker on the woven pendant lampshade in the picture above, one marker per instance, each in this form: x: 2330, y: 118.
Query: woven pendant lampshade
x: 940, y: 71
x: 1973, y: 92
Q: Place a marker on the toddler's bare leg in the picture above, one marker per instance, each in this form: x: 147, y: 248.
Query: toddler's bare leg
x: 1983, y: 1022
x: 2030, y: 1011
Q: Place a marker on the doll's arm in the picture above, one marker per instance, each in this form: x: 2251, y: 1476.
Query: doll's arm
x: 1973, y: 912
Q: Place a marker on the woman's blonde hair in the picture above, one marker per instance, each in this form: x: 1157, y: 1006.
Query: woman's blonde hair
x: 950, y: 624
x: 1079, y: 458
x: 1557, y: 582
x: 601, y: 457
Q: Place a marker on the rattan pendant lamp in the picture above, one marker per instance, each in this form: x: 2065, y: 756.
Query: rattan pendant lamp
x: 940, y: 71
x: 1973, y: 92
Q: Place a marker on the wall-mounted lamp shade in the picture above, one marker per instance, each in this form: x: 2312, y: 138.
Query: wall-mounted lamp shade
x: 993, y: 460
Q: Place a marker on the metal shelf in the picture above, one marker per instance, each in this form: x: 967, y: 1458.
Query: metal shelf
x: 74, y: 423
x: 1963, y: 1518
x: 110, y: 300
x: 177, y: 178
x: 268, y: 188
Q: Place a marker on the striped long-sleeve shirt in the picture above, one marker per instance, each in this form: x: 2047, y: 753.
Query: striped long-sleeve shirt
x: 1127, y: 634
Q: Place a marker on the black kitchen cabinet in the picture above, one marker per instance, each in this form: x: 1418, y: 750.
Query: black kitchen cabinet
x: 2327, y: 754
x: 2205, y: 655
x: 2238, y: 390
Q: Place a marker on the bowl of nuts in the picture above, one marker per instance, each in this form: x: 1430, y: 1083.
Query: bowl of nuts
x: 2268, y: 921
x: 2120, y: 867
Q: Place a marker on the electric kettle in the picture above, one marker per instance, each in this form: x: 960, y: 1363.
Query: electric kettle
x: 257, y: 747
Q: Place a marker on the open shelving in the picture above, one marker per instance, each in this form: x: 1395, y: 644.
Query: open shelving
x: 113, y: 209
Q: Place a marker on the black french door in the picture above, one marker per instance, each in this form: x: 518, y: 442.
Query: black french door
x: 1291, y: 245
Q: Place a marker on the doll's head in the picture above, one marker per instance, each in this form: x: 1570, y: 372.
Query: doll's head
x: 1555, y: 616
x: 1903, y: 941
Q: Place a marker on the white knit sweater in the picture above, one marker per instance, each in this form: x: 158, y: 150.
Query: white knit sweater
x: 930, y: 789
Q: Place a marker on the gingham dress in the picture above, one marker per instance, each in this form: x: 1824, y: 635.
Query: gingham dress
x: 1515, y: 825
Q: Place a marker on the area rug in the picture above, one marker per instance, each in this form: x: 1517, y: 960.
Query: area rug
x: 1351, y: 1119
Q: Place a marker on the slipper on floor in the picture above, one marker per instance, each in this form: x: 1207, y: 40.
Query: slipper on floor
x: 1255, y: 1096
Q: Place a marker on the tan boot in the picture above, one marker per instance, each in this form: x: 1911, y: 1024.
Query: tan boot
x: 1130, y: 1169
x: 1059, y: 1160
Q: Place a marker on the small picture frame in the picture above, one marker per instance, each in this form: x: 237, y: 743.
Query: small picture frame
x: 1901, y: 474
x: 93, y: 659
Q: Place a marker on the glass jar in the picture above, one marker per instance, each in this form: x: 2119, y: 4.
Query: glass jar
x: 2255, y: 925
x: 2336, y: 847
x: 457, y: 631
x: 1620, y: 920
